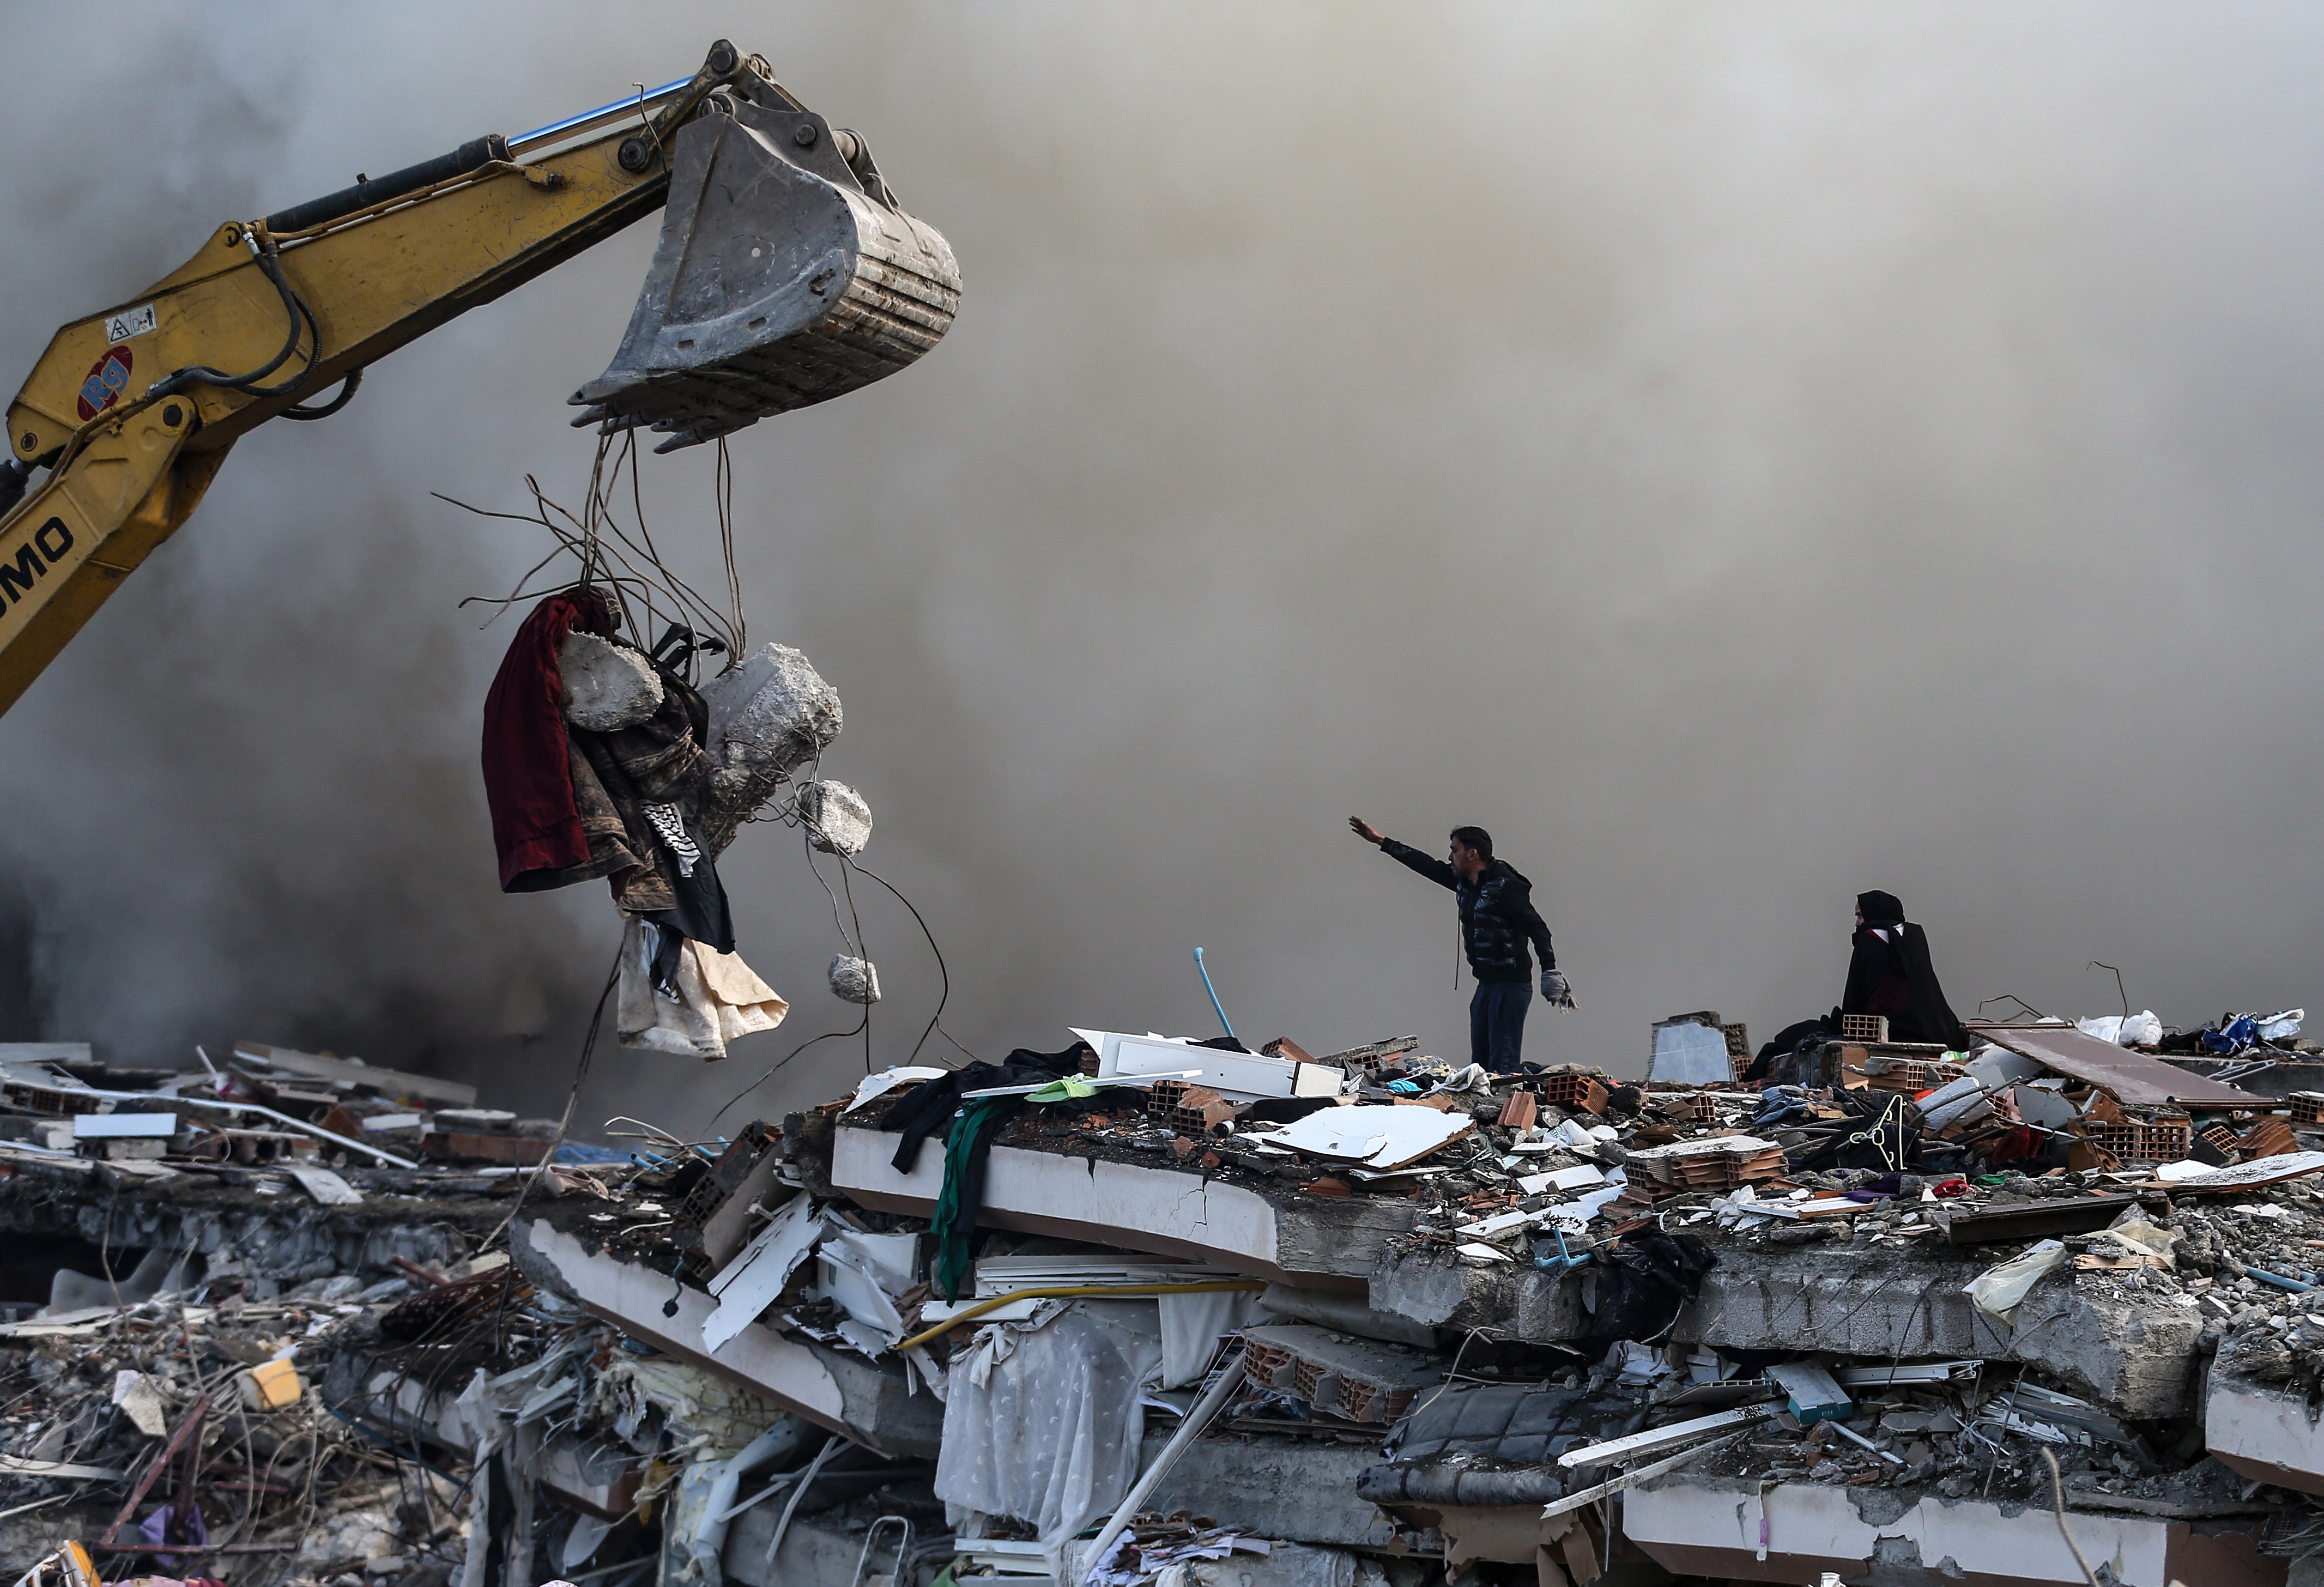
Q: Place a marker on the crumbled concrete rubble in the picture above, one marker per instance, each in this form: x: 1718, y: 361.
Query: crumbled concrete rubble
x: 1267, y: 1321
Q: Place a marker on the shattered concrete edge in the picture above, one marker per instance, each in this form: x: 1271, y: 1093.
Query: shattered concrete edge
x: 1810, y: 1528
x: 2264, y: 1432
x: 860, y: 1401
x: 284, y: 1239
x: 1328, y: 1244
x: 1843, y: 1300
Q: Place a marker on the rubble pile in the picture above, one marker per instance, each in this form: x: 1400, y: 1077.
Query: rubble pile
x: 1146, y: 1309
x: 213, y: 1447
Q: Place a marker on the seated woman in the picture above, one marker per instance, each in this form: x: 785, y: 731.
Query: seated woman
x: 1888, y: 974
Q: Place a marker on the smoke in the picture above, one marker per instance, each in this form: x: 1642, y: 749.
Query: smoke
x: 1740, y: 458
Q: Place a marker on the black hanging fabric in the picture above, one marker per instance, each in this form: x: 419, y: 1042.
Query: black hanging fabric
x: 1641, y: 1286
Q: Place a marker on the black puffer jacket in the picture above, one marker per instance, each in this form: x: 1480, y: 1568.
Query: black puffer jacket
x: 1497, y: 915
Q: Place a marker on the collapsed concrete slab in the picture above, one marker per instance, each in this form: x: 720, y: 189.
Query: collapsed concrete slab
x: 2262, y: 1431
x: 1279, y: 1232
x: 863, y: 1402
x: 271, y: 1239
x: 1740, y: 1529
x: 1848, y: 1301
x: 1300, y: 1489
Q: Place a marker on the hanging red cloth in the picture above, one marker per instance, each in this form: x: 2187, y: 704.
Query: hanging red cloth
x: 528, y: 777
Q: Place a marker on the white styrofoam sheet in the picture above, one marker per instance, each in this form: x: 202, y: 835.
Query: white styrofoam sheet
x: 1380, y: 1136
x: 123, y: 1126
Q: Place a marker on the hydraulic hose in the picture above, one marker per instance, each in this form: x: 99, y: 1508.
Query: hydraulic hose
x: 266, y: 254
x: 347, y: 390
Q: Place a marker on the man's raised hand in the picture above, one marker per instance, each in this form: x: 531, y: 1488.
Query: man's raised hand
x: 1367, y: 831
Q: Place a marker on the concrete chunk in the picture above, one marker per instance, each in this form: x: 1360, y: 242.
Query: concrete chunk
x: 838, y: 820
x: 854, y: 980
x: 2262, y: 1431
x: 769, y: 715
x: 2138, y: 1358
x: 607, y: 687
x: 1712, y: 1526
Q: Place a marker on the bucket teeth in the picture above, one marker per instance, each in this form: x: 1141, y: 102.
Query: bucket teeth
x: 778, y: 283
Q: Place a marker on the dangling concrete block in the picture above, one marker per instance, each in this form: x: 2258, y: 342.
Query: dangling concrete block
x: 838, y: 821
x: 607, y: 687
x: 855, y: 981
x: 769, y: 715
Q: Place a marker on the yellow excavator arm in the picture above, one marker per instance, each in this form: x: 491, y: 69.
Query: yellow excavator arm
x: 785, y: 275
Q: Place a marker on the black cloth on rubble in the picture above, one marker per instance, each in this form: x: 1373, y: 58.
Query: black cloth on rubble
x: 1882, y: 1131
x: 927, y: 1108
x: 1285, y: 1109
x: 1788, y: 1040
x: 1637, y: 1289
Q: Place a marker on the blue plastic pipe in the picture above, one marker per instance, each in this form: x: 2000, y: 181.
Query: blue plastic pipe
x: 1214, y: 996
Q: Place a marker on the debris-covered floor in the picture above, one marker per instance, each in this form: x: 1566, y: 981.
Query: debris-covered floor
x: 1142, y: 1309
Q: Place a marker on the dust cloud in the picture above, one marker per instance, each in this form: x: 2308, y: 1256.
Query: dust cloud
x: 1740, y: 458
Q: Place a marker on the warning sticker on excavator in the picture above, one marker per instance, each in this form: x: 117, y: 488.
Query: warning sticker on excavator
x: 130, y: 322
x: 107, y: 378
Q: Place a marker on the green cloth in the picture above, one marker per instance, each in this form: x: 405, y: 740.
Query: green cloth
x: 954, y: 1224
x: 1071, y: 1087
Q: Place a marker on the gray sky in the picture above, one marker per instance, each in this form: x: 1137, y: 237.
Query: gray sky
x: 1740, y: 456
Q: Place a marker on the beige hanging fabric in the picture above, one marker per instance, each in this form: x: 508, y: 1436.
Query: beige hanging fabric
x: 719, y: 998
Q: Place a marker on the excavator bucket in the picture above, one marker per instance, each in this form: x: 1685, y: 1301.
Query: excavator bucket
x: 785, y: 275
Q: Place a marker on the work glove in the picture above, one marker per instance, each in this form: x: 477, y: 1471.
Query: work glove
x: 1554, y: 991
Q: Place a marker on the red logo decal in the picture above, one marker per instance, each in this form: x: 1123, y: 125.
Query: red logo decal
x: 107, y: 378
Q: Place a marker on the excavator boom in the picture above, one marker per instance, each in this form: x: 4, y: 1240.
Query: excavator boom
x: 785, y: 275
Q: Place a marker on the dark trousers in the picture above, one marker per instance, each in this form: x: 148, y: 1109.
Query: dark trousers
x: 1497, y: 1024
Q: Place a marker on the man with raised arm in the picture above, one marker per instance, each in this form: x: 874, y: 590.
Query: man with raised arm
x: 1497, y: 919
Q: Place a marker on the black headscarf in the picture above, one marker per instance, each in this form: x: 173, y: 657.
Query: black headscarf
x: 1880, y: 909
